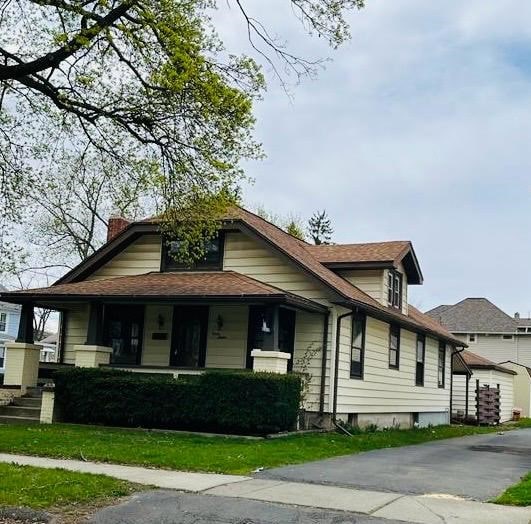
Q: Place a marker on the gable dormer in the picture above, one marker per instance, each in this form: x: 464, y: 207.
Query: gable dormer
x: 383, y: 270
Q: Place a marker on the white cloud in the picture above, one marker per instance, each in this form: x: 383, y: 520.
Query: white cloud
x: 418, y: 129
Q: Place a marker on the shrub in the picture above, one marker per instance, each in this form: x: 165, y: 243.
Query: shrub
x: 218, y: 401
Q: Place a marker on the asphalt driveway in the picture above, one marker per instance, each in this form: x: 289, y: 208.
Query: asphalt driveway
x: 478, y: 467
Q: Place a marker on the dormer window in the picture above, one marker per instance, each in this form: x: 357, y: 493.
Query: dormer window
x: 394, y: 288
x: 211, y: 260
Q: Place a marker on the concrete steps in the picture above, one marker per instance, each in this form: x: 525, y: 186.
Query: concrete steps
x: 23, y: 410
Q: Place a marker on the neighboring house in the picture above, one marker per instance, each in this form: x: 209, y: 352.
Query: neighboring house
x: 9, y: 319
x: 522, y: 386
x: 488, y: 330
x: 259, y: 294
x: 49, y: 348
x: 483, y: 372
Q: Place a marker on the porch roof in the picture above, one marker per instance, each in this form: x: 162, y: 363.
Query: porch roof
x: 193, y: 286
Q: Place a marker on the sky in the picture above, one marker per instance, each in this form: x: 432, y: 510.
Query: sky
x: 418, y: 129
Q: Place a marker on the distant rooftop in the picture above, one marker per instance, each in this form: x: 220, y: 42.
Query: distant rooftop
x: 475, y: 315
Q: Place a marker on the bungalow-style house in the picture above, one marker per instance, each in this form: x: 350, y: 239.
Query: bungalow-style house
x: 262, y: 299
x: 472, y: 371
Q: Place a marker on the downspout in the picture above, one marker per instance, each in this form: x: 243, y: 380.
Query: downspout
x: 323, y: 363
x: 336, y: 363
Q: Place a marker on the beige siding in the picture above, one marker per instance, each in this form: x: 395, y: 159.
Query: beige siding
x: 389, y: 390
x: 308, y: 355
x: 157, y: 352
x: 142, y: 256
x: 506, y: 394
x: 493, y: 347
x: 369, y: 281
x: 523, y: 350
x: 227, y: 348
x: 521, y: 388
x: 76, y: 330
x: 485, y: 377
x: 459, y: 395
x: 250, y: 257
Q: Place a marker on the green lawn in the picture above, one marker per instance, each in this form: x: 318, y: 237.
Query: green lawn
x: 517, y: 495
x: 41, y: 488
x: 197, y: 453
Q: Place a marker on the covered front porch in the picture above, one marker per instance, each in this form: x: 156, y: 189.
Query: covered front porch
x: 176, y: 323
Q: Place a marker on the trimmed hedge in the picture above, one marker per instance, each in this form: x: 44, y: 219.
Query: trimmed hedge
x: 217, y: 401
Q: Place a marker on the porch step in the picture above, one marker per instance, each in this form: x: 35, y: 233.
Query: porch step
x: 6, y: 419
x: 21, y: 411
x: 31, y: 402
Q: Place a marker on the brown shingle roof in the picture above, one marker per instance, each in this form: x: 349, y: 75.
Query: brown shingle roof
x: 301, y: 253
x: 475, y: 361
x: 205, y: 284
x: 371, y: 252
x: 298, y: 251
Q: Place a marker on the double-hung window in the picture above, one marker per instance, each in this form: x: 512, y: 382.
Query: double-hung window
x: 394, y: 288
x: 441, y: 364
x: 394, y: 346
x: 357, y: 351
x: 3, y: 322
x: 421, y: 355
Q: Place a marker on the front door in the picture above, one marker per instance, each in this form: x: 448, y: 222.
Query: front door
x: 261, y: 335
x: 188, y: 345
x: 123, y: 332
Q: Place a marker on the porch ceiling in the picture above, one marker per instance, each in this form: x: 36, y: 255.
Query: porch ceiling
x: 187, y: 286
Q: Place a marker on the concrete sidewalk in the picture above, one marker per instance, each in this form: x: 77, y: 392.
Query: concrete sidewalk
x: 422, y: 509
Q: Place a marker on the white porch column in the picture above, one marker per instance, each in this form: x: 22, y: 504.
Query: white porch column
x: 22, y: 364
x: 47, y: 404
x: 90, y: 356
x: 271, y: 361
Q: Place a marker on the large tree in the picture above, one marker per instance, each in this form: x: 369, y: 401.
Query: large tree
x: 140, y: 84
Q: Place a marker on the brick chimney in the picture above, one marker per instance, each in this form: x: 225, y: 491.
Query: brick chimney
x: 115, y: 226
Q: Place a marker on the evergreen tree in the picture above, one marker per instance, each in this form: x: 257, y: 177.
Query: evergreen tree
x: 320, y: 228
